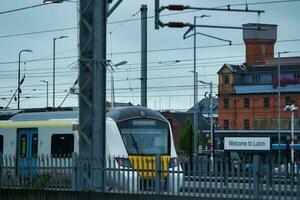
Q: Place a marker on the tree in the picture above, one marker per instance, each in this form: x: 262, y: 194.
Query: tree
x: 186, y: 135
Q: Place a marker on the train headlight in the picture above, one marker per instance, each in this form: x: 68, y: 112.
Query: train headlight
x: 124, y: 162
x: 173, y: 162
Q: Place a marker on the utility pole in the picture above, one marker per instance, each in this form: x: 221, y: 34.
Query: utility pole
x: 211, y: 123
x: 144, y: 10
x: 92, y: 87
x: 195, y: 93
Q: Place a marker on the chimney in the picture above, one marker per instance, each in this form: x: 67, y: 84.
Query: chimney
x: 259, y: 43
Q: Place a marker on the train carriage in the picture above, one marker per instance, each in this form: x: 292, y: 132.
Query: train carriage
x: 134, y: 136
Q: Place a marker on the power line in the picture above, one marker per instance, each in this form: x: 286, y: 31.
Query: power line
x: 24, y: 8
x: 137, y: 19
x: 150, y: 51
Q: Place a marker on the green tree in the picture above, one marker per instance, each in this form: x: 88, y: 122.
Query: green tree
x: 186, y: 135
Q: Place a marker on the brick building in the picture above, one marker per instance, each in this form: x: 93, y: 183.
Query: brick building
x: 248, y: 92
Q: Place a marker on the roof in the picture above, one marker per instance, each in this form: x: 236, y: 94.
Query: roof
x: 234, y: 68
x: 42, y: 116
x: 254, y: 89
x: 6, y: 114
x: 181, y: 116
x: 124, y: 113
x: 203, y: 106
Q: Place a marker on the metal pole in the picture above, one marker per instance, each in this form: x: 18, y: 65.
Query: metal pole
x: 54, y: 72
x: 144, y: 10
x: 278, y: 109
x: 211, y: 127
x: 19, y: 80
x: 195, y: 91
x: 112, y: 90
x: 292, y: 137
x: 47, y: 94
x: 99, y: 92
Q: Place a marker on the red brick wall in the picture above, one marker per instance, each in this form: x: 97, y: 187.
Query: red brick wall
x: 236, y: 113
x: 258, y: 51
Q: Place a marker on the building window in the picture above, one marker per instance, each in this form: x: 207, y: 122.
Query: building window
x: 62, y: 145
x: 246, y: 124
x: 255, y: 78
x: 246, y: 103
x: 226, y: 79
x: 266, y: 102
x: 226, y: 124
x: 288, y: 100
x: 226, y: 103
x: 296, y: 75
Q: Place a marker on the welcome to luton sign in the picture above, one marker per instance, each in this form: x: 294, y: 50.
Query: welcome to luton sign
x: 247, y: 143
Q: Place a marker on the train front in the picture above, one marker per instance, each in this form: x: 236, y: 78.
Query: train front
x: 150, y: 156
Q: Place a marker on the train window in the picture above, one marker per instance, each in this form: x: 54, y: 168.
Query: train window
x: 1, y: 144
x: 62, y: 145
x: 23, y: 146
x: 145, y: 137
x: 34, y: 145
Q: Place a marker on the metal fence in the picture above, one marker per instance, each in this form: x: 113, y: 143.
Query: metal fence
x: 250, y: 177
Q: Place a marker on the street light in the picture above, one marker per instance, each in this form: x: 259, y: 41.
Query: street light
x: 279, y: 105
x: 47, y: 91
x: 112, y: 66
x: 54, y: 39
x: 19, y: 82
x: 195, y: 82
x: 292, y: 108
x: 211, y: 122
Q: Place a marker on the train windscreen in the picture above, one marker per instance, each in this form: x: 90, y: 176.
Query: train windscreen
x: 145, y: 136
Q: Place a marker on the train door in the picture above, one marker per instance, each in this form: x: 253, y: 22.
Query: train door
x: 27, y: 150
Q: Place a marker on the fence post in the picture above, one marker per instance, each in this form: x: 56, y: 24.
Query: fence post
x: 256, y: 173
x: 74, y: 185
x: 157, y: 173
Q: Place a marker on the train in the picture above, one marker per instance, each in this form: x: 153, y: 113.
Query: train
x: 134, y: 136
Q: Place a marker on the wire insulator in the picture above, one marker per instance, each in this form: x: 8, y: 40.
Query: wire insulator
x: 176, y: 24
x: 176, y: 7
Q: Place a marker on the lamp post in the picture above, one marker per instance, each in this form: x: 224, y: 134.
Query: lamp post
x: 47, y: 91
x: 19, y: 83
x: 211, y: 123
x: 195, y: 78
x: 54, y: 39
x: 292, y: 108
x: 279, y: 105
x: 193, y: 27
x: 112, y: 66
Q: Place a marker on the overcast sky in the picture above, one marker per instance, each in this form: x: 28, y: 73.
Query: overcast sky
x: 170, y: 84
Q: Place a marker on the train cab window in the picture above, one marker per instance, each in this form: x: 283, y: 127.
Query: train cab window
x: 34, y: 145
x: 1, y: 144
x: 145, y: 137
x: 62, y: 145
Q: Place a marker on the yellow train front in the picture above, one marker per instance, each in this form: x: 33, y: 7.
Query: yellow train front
x: 141, y: 144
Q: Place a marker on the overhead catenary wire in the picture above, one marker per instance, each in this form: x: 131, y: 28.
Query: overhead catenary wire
x: 135, y: 19
x: 150, y: 51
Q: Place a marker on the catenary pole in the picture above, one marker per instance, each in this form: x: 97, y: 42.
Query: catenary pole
x: 144, y: 55
x: 195, y: 91
x: 92, y: 87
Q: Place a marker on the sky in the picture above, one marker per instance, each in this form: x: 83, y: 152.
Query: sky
x: 170, y: 57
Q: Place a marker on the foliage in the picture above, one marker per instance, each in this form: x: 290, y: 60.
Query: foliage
x: 40, y: 182
x: 186, y: 135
